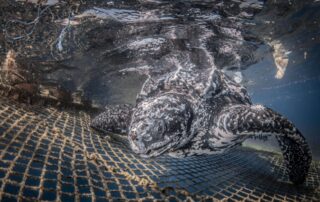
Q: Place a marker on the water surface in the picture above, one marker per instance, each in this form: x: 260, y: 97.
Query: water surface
x: 96, y: 50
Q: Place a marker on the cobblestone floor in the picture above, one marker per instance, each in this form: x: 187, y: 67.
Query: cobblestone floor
x: 49, y: 154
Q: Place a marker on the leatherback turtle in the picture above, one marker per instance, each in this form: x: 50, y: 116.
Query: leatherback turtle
x: 198, y: 110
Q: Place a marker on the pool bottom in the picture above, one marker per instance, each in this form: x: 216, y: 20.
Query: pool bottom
x: 53, y: 155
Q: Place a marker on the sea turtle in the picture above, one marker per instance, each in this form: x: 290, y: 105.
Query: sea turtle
x: 194, y: 109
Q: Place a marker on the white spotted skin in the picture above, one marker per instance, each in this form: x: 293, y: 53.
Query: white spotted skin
x: 115, y: 118
x: 188, y: 106
x: 161, y: 124
x: 191, y: 111
x: 216, y: 93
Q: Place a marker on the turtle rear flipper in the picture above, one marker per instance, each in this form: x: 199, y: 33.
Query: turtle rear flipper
x: 246, y: 120
x: 115, y: 119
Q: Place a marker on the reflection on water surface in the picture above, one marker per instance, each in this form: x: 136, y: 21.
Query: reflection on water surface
x: 94, y: 52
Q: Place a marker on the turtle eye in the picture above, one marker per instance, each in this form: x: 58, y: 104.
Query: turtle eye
x: 147, y: 138
x: 158, y: 128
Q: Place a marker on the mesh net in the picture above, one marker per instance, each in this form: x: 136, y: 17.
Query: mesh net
x: 52, y: 154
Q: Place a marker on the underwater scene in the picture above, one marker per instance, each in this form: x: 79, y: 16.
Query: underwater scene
x: 159, y: 100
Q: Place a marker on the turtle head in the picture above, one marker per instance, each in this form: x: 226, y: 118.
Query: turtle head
x: 160, y: 125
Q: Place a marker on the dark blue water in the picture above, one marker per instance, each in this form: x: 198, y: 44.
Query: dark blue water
x: 271, y: 47
x: 297, y: 94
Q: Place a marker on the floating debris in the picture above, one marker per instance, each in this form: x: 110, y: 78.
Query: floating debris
x: 280, y: 56
x: 305, y: 55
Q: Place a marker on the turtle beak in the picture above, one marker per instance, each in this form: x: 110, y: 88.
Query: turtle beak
x: 137, y: 146
x: 153, y: 150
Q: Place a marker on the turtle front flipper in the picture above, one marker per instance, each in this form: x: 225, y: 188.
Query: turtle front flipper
x: 246, y: 120
x: 115, y: 119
